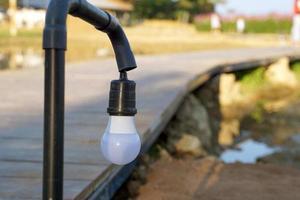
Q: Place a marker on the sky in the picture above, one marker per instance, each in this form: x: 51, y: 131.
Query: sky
x: 254, y: 7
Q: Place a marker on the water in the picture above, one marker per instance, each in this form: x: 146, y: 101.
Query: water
x: 274, y: 135
x: 296, y: 138
x: 248, y: 152
x: 33, y: 58
x: 22, y: 59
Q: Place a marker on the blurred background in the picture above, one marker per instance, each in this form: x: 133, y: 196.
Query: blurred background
x: 249, y: 116
x: 153, y: 27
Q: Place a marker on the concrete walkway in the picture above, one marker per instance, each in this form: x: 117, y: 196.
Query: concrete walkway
x: 161, y: 81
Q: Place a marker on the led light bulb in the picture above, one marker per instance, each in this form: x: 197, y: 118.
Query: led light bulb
x: 121, y: 143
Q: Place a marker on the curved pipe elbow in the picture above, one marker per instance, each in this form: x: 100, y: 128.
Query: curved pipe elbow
x: 55, y: 34
x: 124, y: 56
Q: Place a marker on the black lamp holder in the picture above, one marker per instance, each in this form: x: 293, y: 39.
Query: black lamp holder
x: 122, y: 97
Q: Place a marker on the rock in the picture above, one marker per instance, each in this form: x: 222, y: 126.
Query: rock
x: 226, y: 139
x: 164, y: 154
x: 142, y: 171
x: 133, y: 188
x: 230, y: 90
x: 279, y: 73
x: 208, y: 95
x: 191, y: 145
x: 191, y: 118
x: 229, y: 129
x: 275, y: 106
x: 194, y: 119
x: 211, y: 159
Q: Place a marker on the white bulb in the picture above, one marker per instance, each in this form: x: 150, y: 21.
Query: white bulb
x: 120, y: 142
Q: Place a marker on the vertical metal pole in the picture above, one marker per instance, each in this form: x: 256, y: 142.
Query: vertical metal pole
x: 54, y: 124
x: 54, y: 43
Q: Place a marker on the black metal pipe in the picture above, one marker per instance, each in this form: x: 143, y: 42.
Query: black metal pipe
x: 55, y: 44
x: 55, y: 34
x: 54, y: 124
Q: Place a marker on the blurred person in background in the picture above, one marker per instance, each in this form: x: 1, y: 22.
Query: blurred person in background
x: 1, y: 17
x: 215, y: 23
x: 240, y: 25
x: 296, y: 22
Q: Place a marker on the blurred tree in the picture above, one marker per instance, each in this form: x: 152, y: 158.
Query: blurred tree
x: 162, y: 9
x: 217, y: 1
x: 4, y: 4
x: 171, y: 9
x: 193, y: 7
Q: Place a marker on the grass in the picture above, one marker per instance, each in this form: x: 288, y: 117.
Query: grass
x: 251, y: 80
x: 253, y: 83
x: 150, y: 37
x: 257, y: 113
x: 269, y: 25
x: 24, y: 40
x: 295, y: 67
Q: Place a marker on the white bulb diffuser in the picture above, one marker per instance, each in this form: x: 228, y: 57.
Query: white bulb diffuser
x: 120, y: 142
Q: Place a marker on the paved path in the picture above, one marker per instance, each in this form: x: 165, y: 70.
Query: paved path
x: 160, y: 80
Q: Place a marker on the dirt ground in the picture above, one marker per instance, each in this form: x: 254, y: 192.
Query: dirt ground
x: 210, y: 179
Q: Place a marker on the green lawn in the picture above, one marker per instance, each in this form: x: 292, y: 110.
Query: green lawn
x: 269, y: 25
